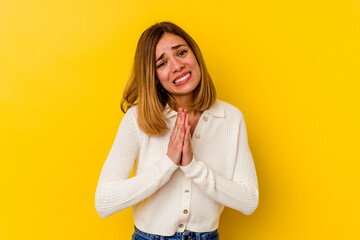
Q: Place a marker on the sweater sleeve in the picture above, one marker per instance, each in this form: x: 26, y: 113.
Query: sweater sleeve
x: 115, y: 190
x: 241, y: 192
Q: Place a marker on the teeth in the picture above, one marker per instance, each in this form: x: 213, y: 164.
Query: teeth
x: 182, y: 79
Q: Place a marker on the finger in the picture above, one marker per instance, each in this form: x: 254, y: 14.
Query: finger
x: 187, y: 137
x: 186, y: 121
x: 181, y: 136
x: 180, y: 112
x: 177, y: 130
x: 183, y: 118
x: 182, y: 128
x: 187, y: 155
x: 185, y: 113
x: 178, y: 118
x: 177, y: 123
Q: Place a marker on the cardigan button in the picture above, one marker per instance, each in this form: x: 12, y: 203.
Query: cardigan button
x: 205, y: 118
x: 197, y: 135
x: 181, y: 225
x: 185, y: 211
x: 187, y: 192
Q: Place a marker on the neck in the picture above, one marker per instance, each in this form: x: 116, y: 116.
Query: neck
x: 184, y: 101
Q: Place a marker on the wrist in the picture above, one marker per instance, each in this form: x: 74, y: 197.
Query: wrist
x: 186, y: 161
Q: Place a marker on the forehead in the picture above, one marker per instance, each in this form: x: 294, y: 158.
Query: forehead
x: 167, y: 41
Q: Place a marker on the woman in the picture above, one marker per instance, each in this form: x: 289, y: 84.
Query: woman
x: 189, y: 150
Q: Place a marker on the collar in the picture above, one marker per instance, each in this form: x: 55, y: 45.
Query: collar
x: 216, y: 110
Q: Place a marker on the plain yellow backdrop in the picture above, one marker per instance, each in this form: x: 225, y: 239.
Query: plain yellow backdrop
x: 292, y: 67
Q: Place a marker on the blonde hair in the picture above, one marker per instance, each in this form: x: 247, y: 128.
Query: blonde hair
x: 145, y: 90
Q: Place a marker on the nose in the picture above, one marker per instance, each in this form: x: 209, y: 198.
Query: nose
x: 177, y: 65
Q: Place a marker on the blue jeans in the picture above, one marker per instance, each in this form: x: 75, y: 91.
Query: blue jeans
x: 139, y: 235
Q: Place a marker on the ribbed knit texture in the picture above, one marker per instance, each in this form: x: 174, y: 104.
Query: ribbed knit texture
x: 168, y: 198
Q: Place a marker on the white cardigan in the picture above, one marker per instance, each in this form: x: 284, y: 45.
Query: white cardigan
x: 167, y: 198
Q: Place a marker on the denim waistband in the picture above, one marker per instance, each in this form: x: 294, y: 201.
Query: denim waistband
x: 179, y: 235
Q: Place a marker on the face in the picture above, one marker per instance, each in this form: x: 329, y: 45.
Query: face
x: 176, y: 65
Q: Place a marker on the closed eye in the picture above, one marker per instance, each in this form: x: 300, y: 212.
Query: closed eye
x: 161, y: 64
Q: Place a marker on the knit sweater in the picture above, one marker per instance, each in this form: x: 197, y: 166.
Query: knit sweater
x: 168, y: 198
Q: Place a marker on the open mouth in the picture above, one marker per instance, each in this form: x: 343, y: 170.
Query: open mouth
x: 183, y: 79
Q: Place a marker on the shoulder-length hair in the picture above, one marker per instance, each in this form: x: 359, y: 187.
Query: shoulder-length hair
x: 145, y: 90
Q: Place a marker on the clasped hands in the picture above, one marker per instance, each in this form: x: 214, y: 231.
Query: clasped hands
x: 179, y: 148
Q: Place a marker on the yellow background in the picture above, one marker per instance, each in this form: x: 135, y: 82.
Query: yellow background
x: 292, y: 67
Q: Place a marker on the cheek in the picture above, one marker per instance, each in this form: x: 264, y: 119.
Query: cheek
x: 161, y: 77
x: 194, y: 63
x: 163, y: 80
x: 197, y: 67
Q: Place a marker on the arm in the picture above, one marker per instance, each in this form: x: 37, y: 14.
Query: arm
x: 241, y: 192
x: 115, y: 191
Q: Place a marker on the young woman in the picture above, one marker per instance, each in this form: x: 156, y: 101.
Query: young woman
x: 189, y: 150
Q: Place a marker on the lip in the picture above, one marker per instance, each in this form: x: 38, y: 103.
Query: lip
x: 185, y: 80
x: 181, y: 75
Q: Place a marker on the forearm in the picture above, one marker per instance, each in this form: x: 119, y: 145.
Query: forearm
x: 115, y: 191
x: 115, y: 196
x: 241, y: 195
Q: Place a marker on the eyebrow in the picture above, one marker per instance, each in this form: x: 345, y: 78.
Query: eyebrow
x: 172, y: 48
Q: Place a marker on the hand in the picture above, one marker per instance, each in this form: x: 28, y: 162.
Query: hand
x: 176, y: 142
x: 186, y: 151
